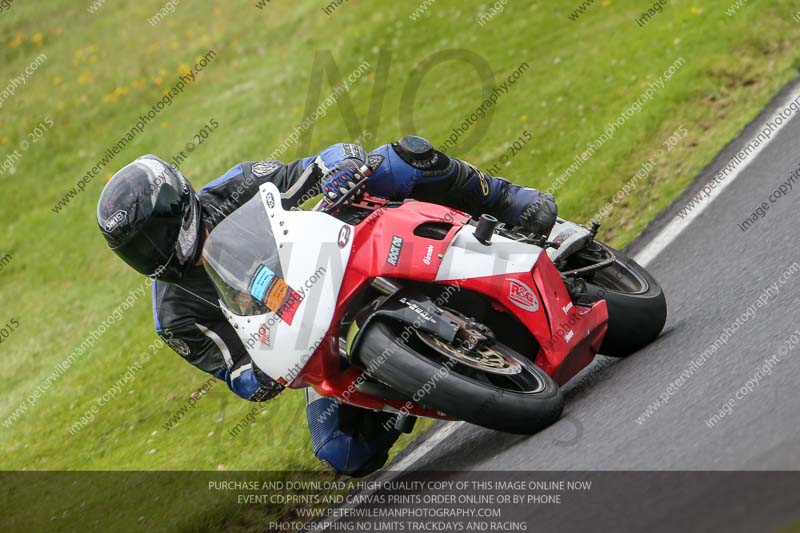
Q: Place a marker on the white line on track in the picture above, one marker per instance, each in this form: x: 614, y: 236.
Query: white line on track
x: 671, y: 231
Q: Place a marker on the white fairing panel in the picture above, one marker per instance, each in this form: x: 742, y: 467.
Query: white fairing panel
x: 467, y: 257
x: 314, y: 249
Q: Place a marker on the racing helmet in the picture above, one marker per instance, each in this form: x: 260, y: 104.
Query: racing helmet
x: 149, y: 215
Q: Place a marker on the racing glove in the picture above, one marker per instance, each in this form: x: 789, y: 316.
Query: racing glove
x: 341, y: 179
x: 250, y: 383
x: 534, y: 210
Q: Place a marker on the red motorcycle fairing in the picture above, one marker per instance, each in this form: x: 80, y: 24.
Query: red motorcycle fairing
x: 385, y: 244
x: 568, y: 335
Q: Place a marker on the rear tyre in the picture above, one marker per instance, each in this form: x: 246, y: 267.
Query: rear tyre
x: 637, y: 308
x: 522, y: 403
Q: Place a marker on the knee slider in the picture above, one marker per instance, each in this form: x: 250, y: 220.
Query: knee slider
x: 420, y: 154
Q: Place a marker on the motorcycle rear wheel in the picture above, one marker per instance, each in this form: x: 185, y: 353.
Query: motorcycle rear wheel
x: 524, y: 402
x: 637, y: 308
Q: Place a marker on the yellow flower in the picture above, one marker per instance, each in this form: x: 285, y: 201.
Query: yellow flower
x: 523, y: 118
x: 696, y: 10
x: 120, y: 91
x: 157, y: 80
x: 78, y: 53
x: 605, y: 3
x: 93, y: 60
x: 136, y: 84
x: 56, y: 80
x: 165, y: 125
x: 37, y: 39
x: 16, y: 41
x: 85, y: 77
x: 184, y: 69
x: 189, y: 34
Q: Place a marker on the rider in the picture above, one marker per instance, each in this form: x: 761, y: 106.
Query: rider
x: 151, y: 217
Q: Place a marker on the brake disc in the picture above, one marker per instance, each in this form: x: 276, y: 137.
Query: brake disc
x: 484, y: 358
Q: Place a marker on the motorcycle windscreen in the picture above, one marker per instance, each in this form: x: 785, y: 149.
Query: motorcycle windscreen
x: 241, y: 258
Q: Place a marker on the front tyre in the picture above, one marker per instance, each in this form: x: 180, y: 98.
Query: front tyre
x: 505, y: 392
x: 637, y: 308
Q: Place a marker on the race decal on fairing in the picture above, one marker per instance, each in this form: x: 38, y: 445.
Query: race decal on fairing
x: 265, y: 335
x: 521, y: 295
x: 273, y: 292
x: 394, y: 250
x: 344, y: 236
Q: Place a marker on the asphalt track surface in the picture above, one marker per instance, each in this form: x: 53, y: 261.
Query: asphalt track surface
x: 711, y: 273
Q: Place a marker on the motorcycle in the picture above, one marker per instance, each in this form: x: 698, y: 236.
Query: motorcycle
x: 415, y: 308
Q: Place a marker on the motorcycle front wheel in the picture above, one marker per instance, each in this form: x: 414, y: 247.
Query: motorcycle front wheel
x: 496, y: 388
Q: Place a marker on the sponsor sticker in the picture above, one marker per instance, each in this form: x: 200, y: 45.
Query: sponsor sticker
x: 344, y: 236
x: 275, y: 294
x: 563, y: 236
x: 521, y: 295
x: 566, y: 308
x: 270, y: 200
x: 261, y: 282
x: 394, y: 250
x: 264, y: 335
x: 290, y: 304
x: 428, y: 255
